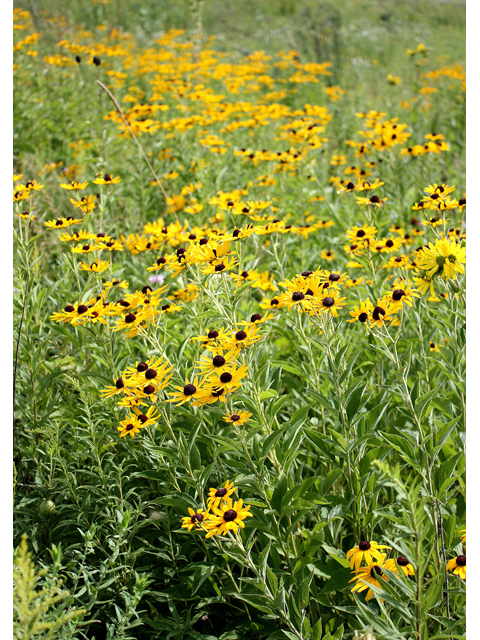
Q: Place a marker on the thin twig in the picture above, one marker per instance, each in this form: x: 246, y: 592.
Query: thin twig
x: 15, y: 434
x: 119, y: 109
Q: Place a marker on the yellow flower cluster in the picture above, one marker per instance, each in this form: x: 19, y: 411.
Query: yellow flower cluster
x: 222, y: 514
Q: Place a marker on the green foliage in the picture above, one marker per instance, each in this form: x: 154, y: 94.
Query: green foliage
x: 353, y: 435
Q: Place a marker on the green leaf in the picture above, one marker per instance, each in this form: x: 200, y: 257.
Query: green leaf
x: 279, y: 492
x: 265, y: 395
x: 449, y: 530
x: 423, y: 402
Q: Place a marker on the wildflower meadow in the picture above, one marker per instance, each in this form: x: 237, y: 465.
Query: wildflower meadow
x: 239, y: 320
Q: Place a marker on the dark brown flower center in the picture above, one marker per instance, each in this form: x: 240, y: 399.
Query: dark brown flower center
x: 377, y: 312
x: 69, y: 308
x: 402, y: 561
x: 461, y: 561
x: 376, y: 570
x: 398, y: 294
x: 230, y: 515
x: 219, y: 267
x: 240, y: 335
x: 130, y: 317
x: 219, y: 493
x: 82, y: 308
x: 363, y: 317
x: 364, y: 545
x: 212, y: 334
x: 297, y: 295
x: 274, y: 302
x: 334, y: 277
x: 197, y: 517
x: 150, y: 374
x: 256, y: 317
x: 328, y: 302
x: 119, y: 384
x: 218, y: 361
x: 149, y: 389
x: 360, y: 234
x: 143, y: 418
x: 374, y: 199
x: 189, y: 389
x: 226, y: 377
x: 235, y: 417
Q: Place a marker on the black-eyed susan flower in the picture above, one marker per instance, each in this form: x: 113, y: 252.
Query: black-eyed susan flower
x: 212, y: 393
x: 96, y: 266
x: 243, y: 338
x: 382, y: 313
x: 33, y: 185
x: 256, y: 318
x: 230, y: 379
x: 365, y: 550
x: 359, y: 235
x: 186, y: 393
x: 218, y: 362
x: 74, y: 185
x: 458, y: 566
x: 361, y: 312
x: 148, y: 417
x: 86, y: 204
x: 405, y: 566
x: 219, y: 265
x: 215, y: 496
x: 327, y: 254
x: 195, y: 519
x: 111, y: 245
x: 130, y: 426
x: 238, y: 418
x: 227, y: 517
x: 213, y: 338
x: 401, y: 294
x: 331, y: 302
x: 369, y: 575
x: 373, y: 201
x: 61, y: 223
x: 274, y: 303
x: 86, y: 248
x: 107, y: 179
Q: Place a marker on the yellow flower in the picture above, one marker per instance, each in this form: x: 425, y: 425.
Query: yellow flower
x: 196, y: 519
x: 74, y: 185
x: 131, y: 425
x: 86, y: 204
x: 107, y: 179
x: 368, y: 551
x: 221, y: 493
x: 459, y: 566
x: 95, y: 267
x: 369, y: 575
x: 229, y: 517
x: 238, y: 418
x: 444, y: 258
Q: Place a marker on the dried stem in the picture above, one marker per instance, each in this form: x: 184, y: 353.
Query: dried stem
x: 119, y: 109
